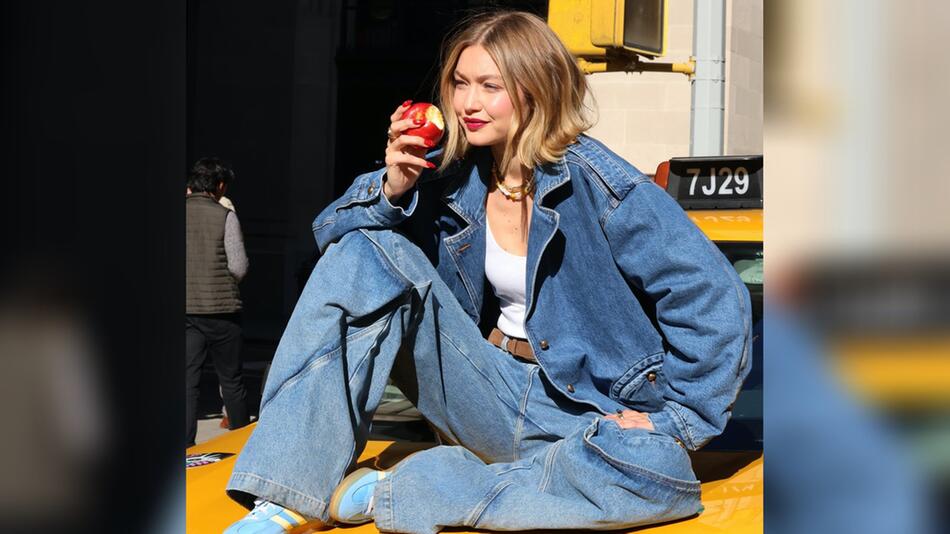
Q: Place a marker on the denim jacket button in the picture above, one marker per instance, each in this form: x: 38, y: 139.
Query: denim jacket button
x: 370, y: 189
x: 544, y: 344
x: 651, y: 377
x: 570, y: 388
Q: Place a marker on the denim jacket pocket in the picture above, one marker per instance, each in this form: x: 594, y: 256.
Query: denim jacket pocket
x: 641, y: 387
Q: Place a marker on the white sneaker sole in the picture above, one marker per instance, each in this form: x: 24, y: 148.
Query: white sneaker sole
x: 341, y: 490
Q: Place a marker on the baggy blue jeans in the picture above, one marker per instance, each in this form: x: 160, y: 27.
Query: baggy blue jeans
x: 523, y: 455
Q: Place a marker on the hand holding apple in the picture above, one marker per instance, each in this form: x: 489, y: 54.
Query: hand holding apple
x: 413, y: 130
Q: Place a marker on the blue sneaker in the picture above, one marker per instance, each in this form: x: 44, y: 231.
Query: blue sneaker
x: 352, y: 501
x: 270, y: 518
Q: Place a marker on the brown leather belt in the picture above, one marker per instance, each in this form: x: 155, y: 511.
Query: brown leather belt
x: 519, y: 348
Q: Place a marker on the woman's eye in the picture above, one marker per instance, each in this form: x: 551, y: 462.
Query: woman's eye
x: 492, y: 87
x: 458, y: 82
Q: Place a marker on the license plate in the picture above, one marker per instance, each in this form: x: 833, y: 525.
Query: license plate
x: 717, y: 182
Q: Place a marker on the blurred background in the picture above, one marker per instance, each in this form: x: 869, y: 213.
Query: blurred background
x: 857, y: 234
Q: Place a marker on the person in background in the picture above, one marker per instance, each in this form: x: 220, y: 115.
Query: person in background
x: 215, y: 264
x: 226, y: 202
x: 225, y: 422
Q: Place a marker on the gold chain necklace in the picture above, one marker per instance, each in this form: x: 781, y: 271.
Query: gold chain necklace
x: 512, y: 193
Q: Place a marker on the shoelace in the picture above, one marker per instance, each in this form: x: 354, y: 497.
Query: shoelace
x: 369, y: 505
x: 263, y: 509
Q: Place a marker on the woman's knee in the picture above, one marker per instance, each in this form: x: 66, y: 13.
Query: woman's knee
x: 397, y: 252
x: 362, y: 241
x: 356, y: 252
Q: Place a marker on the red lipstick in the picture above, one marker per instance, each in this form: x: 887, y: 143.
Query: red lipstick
x: 474, y: 124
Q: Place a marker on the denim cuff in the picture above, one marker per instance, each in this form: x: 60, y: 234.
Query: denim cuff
x: 670, y: 423
x: 393, y: 214
x: 252, y: 485
x: 383, y: 504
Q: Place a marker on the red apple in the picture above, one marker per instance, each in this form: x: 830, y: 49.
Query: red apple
x: 433, y: 126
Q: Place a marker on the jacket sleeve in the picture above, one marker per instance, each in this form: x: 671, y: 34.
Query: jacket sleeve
x: 234, y: 247
x: 702, y: 309
x: 362, y: 206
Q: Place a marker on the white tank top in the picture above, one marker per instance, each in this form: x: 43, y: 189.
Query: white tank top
x: 507, y: 273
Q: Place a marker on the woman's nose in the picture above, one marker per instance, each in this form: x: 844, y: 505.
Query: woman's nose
x: 472, y: 102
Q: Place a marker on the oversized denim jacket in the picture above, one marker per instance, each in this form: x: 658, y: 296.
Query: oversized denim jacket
x: 628, y: 304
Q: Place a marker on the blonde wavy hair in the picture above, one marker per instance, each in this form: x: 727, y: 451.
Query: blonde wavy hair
x: 546, y: 87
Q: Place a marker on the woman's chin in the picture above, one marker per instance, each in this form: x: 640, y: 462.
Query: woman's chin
x: 475, y: 139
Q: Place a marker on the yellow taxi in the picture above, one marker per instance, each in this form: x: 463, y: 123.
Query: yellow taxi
x: 730, y: 467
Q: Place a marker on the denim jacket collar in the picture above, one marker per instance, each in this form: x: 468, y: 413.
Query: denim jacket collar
x: 544, y: 225
x: 466, y: 193
x: 548, y: 177
x: 466, y: 197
